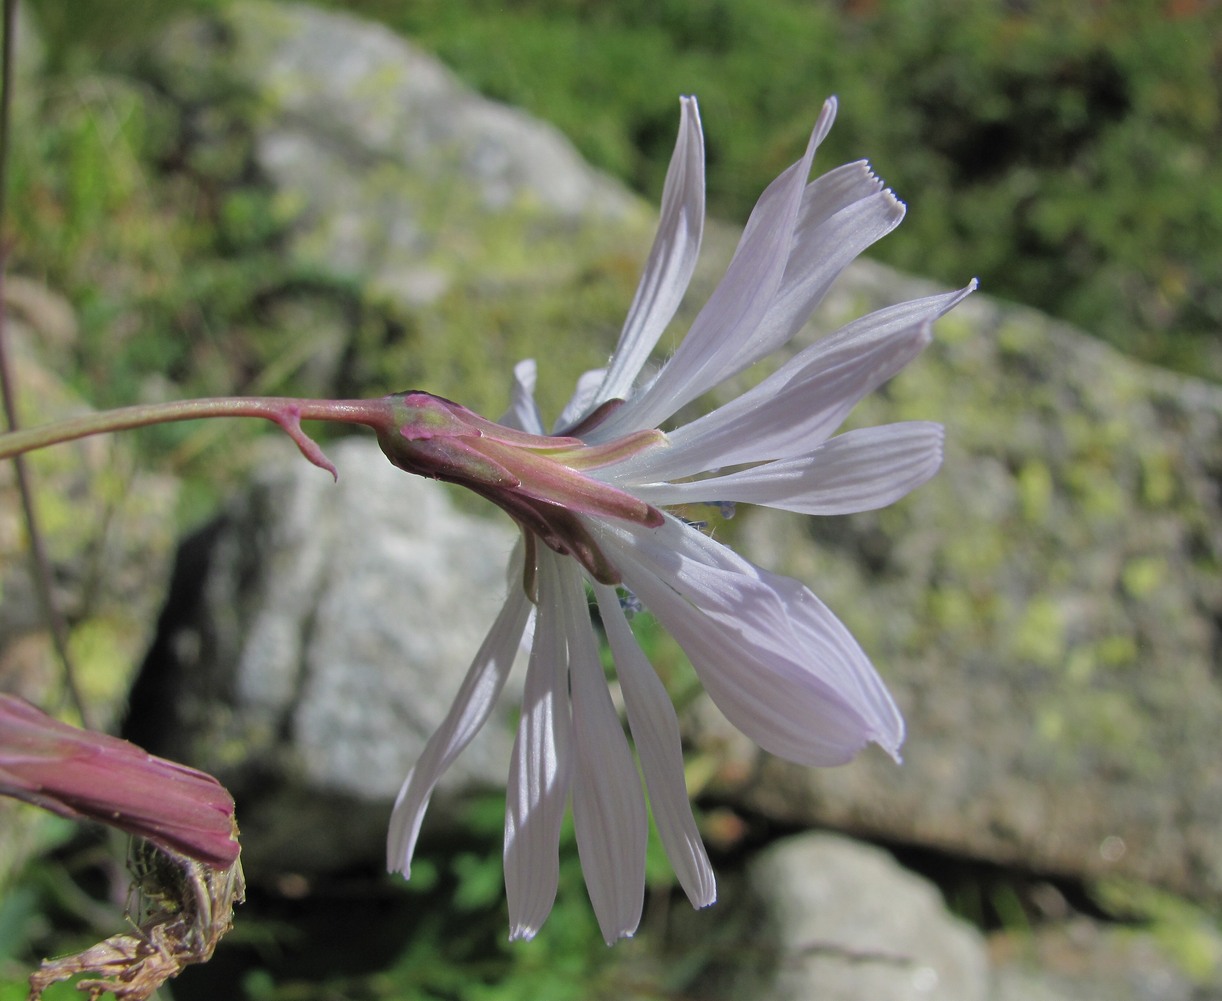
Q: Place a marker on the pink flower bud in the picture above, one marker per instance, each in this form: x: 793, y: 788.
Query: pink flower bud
x: 83, y: 774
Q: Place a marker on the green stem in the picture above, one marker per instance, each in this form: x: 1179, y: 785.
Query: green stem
x: 286, y: 412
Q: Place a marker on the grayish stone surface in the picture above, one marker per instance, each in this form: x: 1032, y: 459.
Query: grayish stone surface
x: 828, y: 918
x: 1080, y: 960
x: 377, y: 144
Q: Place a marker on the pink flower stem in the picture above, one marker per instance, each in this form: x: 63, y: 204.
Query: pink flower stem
x: 286, y: 412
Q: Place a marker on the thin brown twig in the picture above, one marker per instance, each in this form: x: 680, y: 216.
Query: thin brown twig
x: 40, y: 564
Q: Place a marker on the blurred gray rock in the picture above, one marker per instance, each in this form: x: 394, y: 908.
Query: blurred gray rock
x: 313, y: 641
x: 824, y: 917
x: 1081, y: 960
x: 378, y: 145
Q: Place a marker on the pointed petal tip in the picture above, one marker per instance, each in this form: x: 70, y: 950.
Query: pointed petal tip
x: 893, y: 753
x: 398, y: 858
x: 522, y: 933
x: 959, y: 296
x: 894, y: 740
x: 626, y: 933
x: 889, y: 743
x: 827, y: 118
x: 823, y: 125
x: 689, y: 106
x: 938, y: 457
x: 949, y: 300
x: 894, y: 203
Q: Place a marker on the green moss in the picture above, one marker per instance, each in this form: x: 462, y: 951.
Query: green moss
x: 953, y: 610
x: 1116, y: 651
x: 1035, y: 491
x: 1186, y: 932
x: 1039, y: 634
x: 1013, y: 337
x: 976, y: 556
x: 954, y: 329
x: 1098, y: 495
x: 1159, y: 479
x: 1143, y: 575
x: 1050, y: 725
x: 106, y: 655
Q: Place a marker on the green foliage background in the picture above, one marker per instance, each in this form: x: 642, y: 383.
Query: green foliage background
x: 1065, y: 153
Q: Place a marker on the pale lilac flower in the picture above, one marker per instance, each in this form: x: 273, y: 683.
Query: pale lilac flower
x: 590, y: 496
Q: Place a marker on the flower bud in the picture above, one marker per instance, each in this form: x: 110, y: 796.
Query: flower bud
x: 84, y: 774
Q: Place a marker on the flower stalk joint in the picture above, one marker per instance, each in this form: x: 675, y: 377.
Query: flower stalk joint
x: 543, y: 482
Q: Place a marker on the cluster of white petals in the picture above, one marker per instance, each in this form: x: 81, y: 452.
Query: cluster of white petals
x: 775, y: 660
